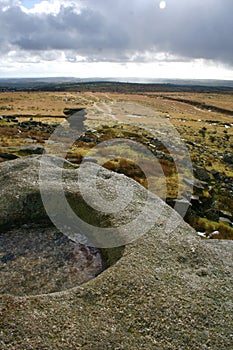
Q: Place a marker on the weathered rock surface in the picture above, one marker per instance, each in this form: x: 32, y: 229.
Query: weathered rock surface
x: 167, y: 291
x: 38, y: 259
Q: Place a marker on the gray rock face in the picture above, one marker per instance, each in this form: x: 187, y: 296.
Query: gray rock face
x: 167, y: 291
x: 228, y: 158
x: 29, y: 150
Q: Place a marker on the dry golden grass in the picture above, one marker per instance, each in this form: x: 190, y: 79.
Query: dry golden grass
x: 208, y: 134
x: 40, y: 103
x: 218, y: 100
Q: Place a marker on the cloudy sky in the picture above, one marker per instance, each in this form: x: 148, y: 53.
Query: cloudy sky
x: 117, y: 38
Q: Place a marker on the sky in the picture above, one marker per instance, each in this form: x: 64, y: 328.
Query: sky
x: 173, y: 39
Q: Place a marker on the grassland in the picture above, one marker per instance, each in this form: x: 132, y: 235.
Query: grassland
x: 203, y: 121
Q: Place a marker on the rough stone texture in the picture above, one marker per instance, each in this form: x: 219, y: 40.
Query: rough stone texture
x: 167, y: 291
x: 38, y: 259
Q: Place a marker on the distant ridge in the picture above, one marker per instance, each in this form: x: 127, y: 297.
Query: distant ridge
x: 113, y: 84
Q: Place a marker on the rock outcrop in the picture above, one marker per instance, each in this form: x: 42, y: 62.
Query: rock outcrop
x: 168, y: 289
x: 228, y: 158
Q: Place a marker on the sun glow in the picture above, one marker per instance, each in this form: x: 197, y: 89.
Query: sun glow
x: 162, y: 5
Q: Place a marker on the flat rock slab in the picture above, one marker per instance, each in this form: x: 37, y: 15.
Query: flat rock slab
x: 167, y: 291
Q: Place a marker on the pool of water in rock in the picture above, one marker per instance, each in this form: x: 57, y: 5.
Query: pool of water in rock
x: 40, y: 260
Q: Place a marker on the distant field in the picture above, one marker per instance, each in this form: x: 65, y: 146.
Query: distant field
x: 39, y: 104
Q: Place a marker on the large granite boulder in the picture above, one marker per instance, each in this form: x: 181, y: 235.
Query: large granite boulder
x: 167, y: 289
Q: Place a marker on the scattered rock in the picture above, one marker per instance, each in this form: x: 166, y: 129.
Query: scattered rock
x: 36, y: 126
x: 28, y: 150
x: 225, y: 220
x: 9, y: 118
x: 226, y: 214
x: 213, y: 234
x: 195, y: 199
x: 8, y: 156
x: 201, y: 174
x: 181, y: 205
x: 228, y: 158
x: 212, y: 214
x: 217, y: 175
x: 87, y: 138
x: 162, y: 155
x: 202, y: 234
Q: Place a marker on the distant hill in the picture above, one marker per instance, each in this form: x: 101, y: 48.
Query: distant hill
x: 127, y: 85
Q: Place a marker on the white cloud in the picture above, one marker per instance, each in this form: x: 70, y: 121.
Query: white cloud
x: 132, y: 37
x: 57, y: 63
x: 51, y: 7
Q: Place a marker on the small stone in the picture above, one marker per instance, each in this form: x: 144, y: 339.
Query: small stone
x: 213, y: 234
x: 225, y: 220
x: 228, y: 158
x: 89, y: 159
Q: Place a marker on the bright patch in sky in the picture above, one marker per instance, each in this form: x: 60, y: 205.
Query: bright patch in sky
x: 48, y: 6
x: 162, y: 5
x: 58, y: 66
x: 41, y: 7
x: 30, y: 3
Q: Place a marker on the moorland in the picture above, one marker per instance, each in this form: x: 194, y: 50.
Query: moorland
x: 201, y: 116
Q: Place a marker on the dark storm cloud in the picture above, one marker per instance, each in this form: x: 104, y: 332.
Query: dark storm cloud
x: 117, y: 30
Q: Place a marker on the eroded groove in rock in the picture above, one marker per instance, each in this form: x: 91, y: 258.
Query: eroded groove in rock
x: 37, y: 259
